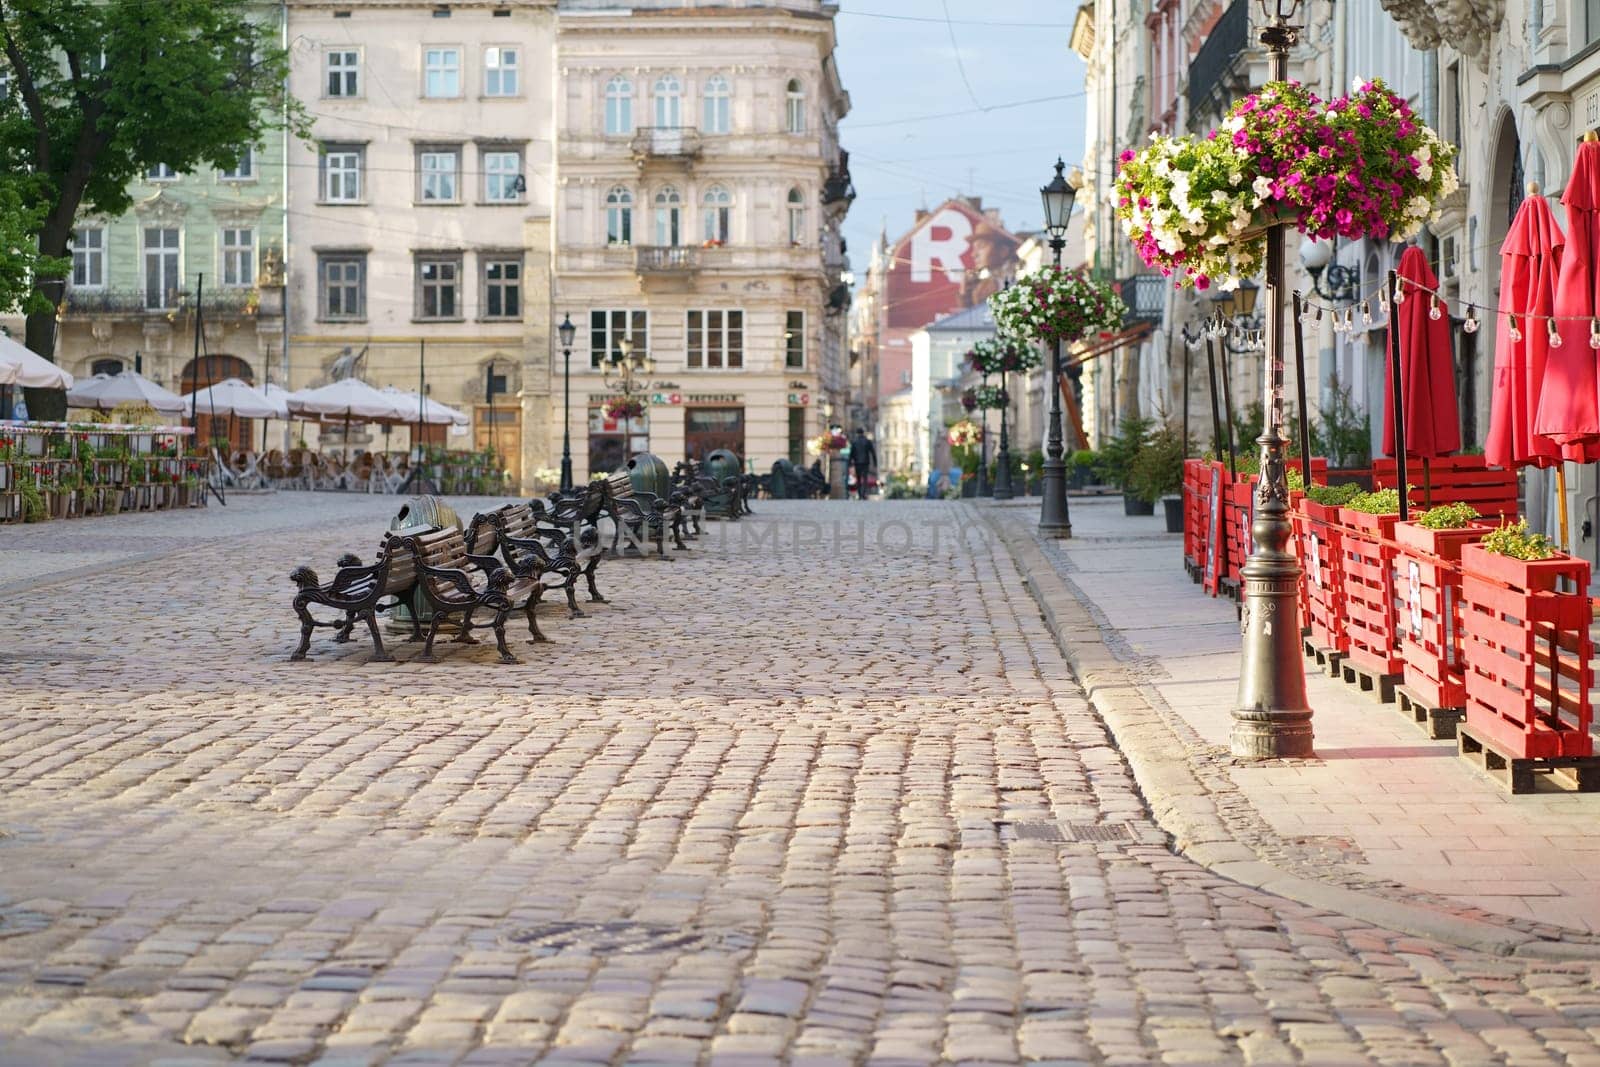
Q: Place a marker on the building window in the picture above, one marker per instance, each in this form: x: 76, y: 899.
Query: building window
x: 502, y: 288
x: 500, y: 71
x: 797, y: 217
x: 344, y: 72
x: 619, y: 106
x: 161, y: 277
x: 242, y: 171
x: 669, y: 102
x: 796, y: 106
x: 439, y: 175
x: 238, y: 258
x: 106, y: 366
x: 502, y: 177
x: 608, y: 328
x: 715, y: 339
x: 89, y: 258
x: 441, y: 72
x: 619, y: 217
x: 717, y: 205
x: 341, y: 173
x: 794, y: 340
x: 718, y: 116
x: 342, y: 281
x: 160, y: 173
x: 668, y: 214
x: 439, y: 287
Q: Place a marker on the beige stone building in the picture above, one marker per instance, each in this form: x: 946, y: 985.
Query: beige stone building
x: 700, y: 191
x: 420, y: 219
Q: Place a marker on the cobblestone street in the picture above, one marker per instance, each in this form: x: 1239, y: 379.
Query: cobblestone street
x: 810, y: 794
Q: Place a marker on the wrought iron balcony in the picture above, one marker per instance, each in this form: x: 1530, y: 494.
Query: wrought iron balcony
x: 838, y: 187
x: 676, y: 144
x: 1214, y: 73
x: 226, y: 303
x: 1146, y: 298
x: 665, y: 259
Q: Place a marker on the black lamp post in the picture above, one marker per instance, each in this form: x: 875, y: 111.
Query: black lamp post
x: 1003, y: 489
x: 1329, y: 280
x: 984, y: 488
x: 568, y: 333
x: 1272, y: 718
x: 1054, y: 521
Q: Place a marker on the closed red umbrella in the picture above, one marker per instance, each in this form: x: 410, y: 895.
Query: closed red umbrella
x: 1529, y: 261
x: 1569, y: 410
x: 1427, y: 367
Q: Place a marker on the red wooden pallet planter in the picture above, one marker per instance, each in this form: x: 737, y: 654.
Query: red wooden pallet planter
x: 1428, y: 573
x: 1367, y: 551
x: 1196, y: 500
x: 1527, y: 654
x: 1321, y: 557
x: 1241, y: 517
x: 1454, y: 480
x: 1213, y: 566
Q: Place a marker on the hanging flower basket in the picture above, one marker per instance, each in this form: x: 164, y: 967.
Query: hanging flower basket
x: 964, y: 434
x: 992, y: 397
x: 827, y: 443
x: 1051, y: 305
x: 969, y: 401
x: 998, y: 355
x: 624, y: 409
x: 1359, y: 166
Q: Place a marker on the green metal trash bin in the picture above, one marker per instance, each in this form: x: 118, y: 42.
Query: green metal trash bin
x: 649, y: 474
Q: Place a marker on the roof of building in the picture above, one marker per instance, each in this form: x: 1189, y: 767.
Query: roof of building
x: 970, y: 320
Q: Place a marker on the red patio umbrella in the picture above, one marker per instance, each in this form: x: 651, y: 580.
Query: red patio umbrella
x: 1427, y: 368
x: 1529, y: 260
x: 1569, y: 409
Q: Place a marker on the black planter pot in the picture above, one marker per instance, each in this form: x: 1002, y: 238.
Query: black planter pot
x: 1132, y: 505
x: 1174, y: 506
x: 969, y: 487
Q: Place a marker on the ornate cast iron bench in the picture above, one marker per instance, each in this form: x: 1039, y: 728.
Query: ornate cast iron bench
x: 645, y: 516
x: 458, y: 584
x: 359, y: 592
x: 513, y: 531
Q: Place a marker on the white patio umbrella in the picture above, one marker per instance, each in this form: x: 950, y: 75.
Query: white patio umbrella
x: 232, y: 396
x: 19, y: 366
x: 409, y: 407
x: 128, y: 387
x: 351, y: 399
x: 278, y: 397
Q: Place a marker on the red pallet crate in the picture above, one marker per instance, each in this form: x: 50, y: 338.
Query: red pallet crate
x: 1321, y: 558
x: 1367, y: 552
x: 1214, y: 561
x: 1454, y: 480
x: 1428, y: 577
x: 1196, y: 498
x: 1526, y: 653
x: 1241, y: 512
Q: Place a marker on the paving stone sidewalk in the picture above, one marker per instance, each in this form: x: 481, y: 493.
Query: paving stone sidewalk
x: 1381, y: 806
x: 821, y: 791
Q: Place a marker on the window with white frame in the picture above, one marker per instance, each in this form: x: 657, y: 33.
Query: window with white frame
x: 669, y: 102
x: 715, y: 339
x: 502, y: 176
x: 716, y: 206
x: 162, y: 280
x: 439, y: 286
x: 502, y: 287
x: 343, y: 67
x: 160, y: 173
x: 619, y: 106
x: 441, y: 72
x: 500, y: 71
x: 794, y: 340
x: 668, y: 216
x: 608, y: 327
x: 341, y: 173
x: 89, y: 257
x: 439, y: 174
x: 242, y: 171
x: 342, y: 285
x: 717, y: 106
x: 797, y: 217
x: 619, y: 216
x: 796, y: 106
x: 238, y: 257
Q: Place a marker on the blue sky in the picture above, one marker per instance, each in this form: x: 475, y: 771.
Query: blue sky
x: 899, y: 63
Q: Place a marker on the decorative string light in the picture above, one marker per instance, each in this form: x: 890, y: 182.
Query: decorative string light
x: 1594, y: 333
x: 1470, y: 325
x: 1434, y: 311
x: 1400, y: 293
x: 1513, y: 333
x: 1554, y: 334
x: 1366, y: 313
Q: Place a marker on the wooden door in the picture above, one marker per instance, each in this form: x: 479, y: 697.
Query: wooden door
x: 503, y: 428
x: 707, y: 429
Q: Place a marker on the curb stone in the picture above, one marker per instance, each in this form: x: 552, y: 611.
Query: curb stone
x: 1184, y: 808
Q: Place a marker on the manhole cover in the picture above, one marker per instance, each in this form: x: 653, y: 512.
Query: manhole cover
x: 620, y: 938
x: 1055, y: 833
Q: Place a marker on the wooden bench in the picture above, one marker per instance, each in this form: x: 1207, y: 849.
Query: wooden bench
x: 513, y: 531
x: 359, y: 592
x: 645, y: 516
x: 458, y: 584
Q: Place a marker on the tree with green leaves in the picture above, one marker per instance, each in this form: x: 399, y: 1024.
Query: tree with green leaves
x: 99, y: 91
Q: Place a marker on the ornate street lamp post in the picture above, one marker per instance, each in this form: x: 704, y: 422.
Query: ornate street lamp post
x: 568, y: 333
x: 624, y: 371
x: 1003, y: 489
x: 984, y: 488
x: 1272, y: 718
x: 1053, y: 518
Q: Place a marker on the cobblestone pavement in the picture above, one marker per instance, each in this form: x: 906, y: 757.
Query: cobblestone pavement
x: 781, y: 801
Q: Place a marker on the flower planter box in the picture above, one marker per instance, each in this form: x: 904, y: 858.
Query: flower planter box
x: 1453, y: 480
x: 1527, y: 654
x: 1367, y: 552
x: 1321, y: 553
x: 1428, y: 573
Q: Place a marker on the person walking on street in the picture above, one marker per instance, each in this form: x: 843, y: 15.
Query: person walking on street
x: 864, y: 457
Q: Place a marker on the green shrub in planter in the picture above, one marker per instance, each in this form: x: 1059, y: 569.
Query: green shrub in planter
x: 1115, y: 462
x: 1157, y: 469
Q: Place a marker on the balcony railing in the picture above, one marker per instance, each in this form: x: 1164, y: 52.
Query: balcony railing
x: 1146, y: 298
x: 1210, y: 75
x: 839, y: 187
x: 665, y: 260
x: 679, y: 143
x: 223, y: 302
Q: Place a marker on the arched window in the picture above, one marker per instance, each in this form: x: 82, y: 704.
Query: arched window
x: 669, y: 102
x: 797, y: 217
x: 668, y: 214
x: 106, y: 366
x: 718, y: 116
x: 796, y: 106
x: 619, y: 216
x: 717, y: 209
x: 619, y: 106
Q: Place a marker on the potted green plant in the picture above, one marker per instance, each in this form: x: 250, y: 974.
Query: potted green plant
x: 1080, y: 468
x: 1115, y: 463
x: 1157, y: 474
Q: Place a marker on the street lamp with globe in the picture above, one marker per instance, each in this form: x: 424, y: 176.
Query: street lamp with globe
x: 568, y: 334
x: 1054, y: 521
